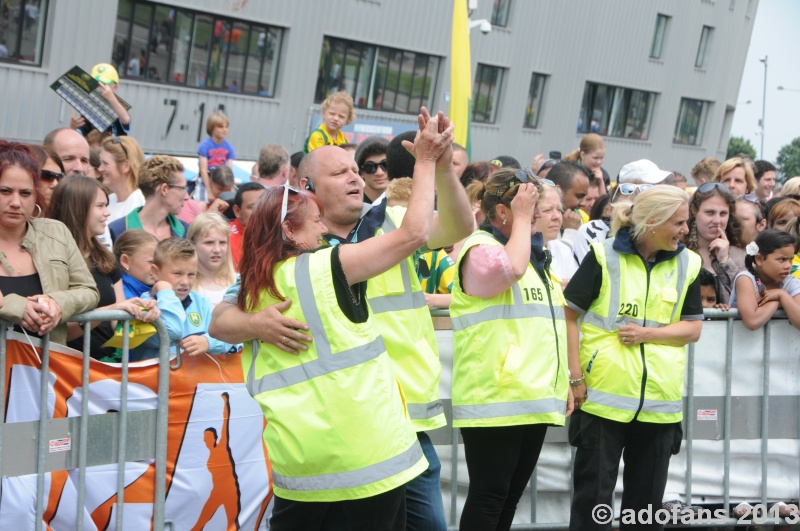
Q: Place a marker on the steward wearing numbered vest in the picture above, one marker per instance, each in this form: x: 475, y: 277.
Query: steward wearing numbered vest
x: 632, y: 307
x: 510, y: 370
x: 652, y: 389
x: 336, y: 423
x: 510, y: 356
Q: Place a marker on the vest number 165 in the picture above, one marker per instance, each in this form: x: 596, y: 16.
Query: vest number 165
x: 533, y: 294
x: 626, y: 308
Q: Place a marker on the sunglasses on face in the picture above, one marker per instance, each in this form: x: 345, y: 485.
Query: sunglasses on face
x: 631, y: 188
x: 51, y: 176
x: 371, y: 167
x: 707, y: 187
x: 285, y: 203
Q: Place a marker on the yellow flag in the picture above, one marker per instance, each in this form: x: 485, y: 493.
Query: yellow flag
x: 460, y: 75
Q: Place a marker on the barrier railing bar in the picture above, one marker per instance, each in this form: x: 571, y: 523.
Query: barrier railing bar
x: 83, y: 445
x: 41, y: 455
x: 3, y: 334
x: 689, y: 418
x: 765, y: 411
x: 453, y: 475
x: 123, y: 422
x: 726, y: 423
x: 162, y: 413
x: 534, y: 494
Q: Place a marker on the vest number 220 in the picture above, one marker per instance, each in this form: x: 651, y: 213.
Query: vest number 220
x: 626, y: 308
x: 533, y: 294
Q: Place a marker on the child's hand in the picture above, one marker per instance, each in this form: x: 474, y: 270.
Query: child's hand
x: 194, y: 345
x: 771, y: 295
x: 217, y: 205
x: 720, y: 306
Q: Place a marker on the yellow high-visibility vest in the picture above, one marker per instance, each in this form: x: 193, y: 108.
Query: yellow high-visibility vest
x: 510, y: 359
x: 642, y: 381
x: 337, y: 427
x: 404, y: 320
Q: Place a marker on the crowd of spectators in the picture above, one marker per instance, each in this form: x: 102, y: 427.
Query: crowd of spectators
x: 136, y: 236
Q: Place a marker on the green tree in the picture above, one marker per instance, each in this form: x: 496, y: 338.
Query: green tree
x: 788, y: 161
x: 740, y: 144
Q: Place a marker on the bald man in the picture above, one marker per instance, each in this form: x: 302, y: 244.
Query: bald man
x: 72, y: 148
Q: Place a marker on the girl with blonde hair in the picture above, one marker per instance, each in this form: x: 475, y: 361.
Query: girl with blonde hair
x: 210, y: 234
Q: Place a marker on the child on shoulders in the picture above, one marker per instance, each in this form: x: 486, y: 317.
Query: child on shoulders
x: 214, y: 151
x: 337, y: 111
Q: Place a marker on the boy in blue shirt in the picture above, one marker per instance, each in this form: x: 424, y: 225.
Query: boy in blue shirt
x: 185, y: 313
x: 214, y: 151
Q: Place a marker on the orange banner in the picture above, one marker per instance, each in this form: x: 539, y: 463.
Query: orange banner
x: 218, y: 474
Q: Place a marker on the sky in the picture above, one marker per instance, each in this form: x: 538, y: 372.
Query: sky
x: 776, y: 34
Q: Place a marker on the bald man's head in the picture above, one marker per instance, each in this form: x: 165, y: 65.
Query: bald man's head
x: 72, y: 148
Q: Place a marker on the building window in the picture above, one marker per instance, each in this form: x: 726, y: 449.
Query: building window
x: 534, y: 100
x: 616, y: 111
x: 705, y: 42
x: 22, y: 24
x: 658, y: 36
x: 165, y: 44
x: 500, y: 12
x: 691, y: 122
x: 486, y: 93
x: 384, y: 79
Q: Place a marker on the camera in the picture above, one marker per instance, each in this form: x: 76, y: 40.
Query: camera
x: 485, y: 27
x: 555, y: 155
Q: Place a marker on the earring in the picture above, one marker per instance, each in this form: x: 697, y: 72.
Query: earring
x: 40, y: 211
x: 505, y: 221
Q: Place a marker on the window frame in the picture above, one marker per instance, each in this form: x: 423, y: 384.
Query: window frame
x: 621, y: 107
x: 379, y: 78
x: 263, y: 61
x: 500, y: 11
x: 14, y: 52
x: 659, y: 34
x: 699, y: 127
x: 703, y: 46
x: 531, y: 118
x: 492, y: 106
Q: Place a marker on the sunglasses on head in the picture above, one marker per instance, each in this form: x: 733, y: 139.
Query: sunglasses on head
x: 751, y: 198
x: 51, y: 176
x: 707, y: 187
x: 370, y: 167
x: 521, y: 176
x: 118, y: 140
x: 631, y: 188
x: 285, y: 203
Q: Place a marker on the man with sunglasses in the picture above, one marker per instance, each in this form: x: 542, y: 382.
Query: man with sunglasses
x: 371, y: 159
x: 633, y: 178
x: 395, y: 297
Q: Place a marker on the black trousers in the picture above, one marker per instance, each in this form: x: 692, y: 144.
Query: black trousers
x: 500, y: 462
x: 384, y: 512
x: 644, y: 447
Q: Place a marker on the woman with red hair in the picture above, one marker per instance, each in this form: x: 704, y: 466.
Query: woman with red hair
x: 44, y: 280
x: 340, y: 441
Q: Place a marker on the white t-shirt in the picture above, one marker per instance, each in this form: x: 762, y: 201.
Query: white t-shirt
x: 120, y: 210
x: 790, y: 284
x: 564, y: 264
x: 215, y: 295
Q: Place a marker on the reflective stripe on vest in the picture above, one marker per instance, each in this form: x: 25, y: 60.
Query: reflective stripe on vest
x: 407, y: 300
x: 325, y: 363
x: 613, y: 321
x: 353, y: 478
x: 632, y: 404
x: 509, y: 409
x: 425, y: 411
x: 516, y: 311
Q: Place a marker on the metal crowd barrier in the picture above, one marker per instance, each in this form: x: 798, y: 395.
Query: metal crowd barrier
x: 744, y: 428
x: 117, y: 432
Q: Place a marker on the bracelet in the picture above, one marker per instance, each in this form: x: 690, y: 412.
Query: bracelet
x: 578, y: 381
